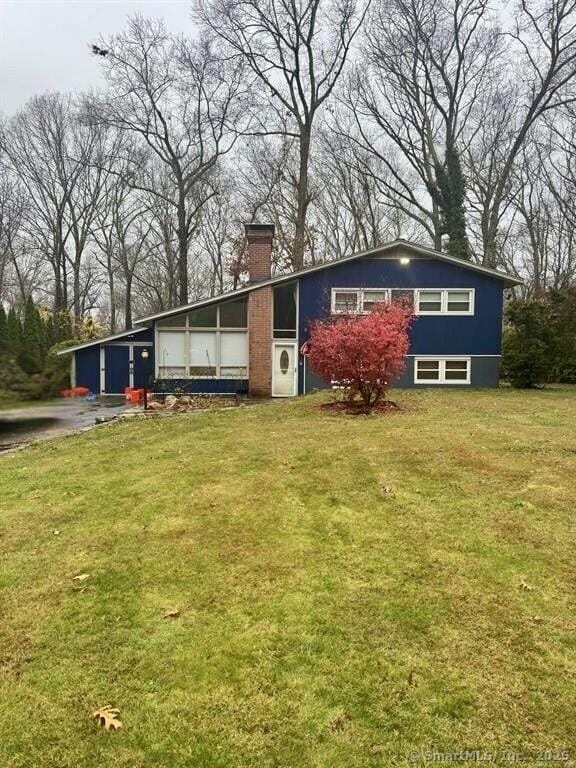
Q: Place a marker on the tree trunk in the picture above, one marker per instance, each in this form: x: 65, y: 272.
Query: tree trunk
x: 128, y: 303
x: 111, y: 288
x: 77, y: 298
x: 490, y: 254
x: 302, y: 199
x: 182, y: 250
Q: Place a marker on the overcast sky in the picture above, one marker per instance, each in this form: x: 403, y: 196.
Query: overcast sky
x: 43, y: 43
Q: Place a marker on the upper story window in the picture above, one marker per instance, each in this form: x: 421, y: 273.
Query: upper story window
x: 427, y: 301
x: 445, y: 301
x: 285, y: 311
x: 346, y: 301
x: 227, y: 314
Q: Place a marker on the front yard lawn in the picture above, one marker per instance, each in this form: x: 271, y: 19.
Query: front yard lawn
x: 350, y: 588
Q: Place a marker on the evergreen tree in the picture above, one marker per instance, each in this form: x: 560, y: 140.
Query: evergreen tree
x: 561, y: 312
x: 31, y: 351
x: 450, y: 196
x: 3, y: 332
x: 62, y: 326
x: 50, y: 337
x: 525, y: 352
x: 14, y: 334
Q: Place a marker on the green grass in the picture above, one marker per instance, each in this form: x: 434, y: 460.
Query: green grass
x: 350, y: 588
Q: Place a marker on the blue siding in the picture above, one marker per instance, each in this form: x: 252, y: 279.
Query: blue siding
x: 117, y: 364
x: 88, y: 368
x: 479, y: 334
x: 143, y: 369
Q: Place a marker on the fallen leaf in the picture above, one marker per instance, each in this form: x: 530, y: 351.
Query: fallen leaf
x: 108, y: 718
x: 410, y: 680
x: 526, y: 587
x: 171, y: 613
x: 81, y: 577
x: 339, y: 723
x: 376, y: 749
x: 537, y: 619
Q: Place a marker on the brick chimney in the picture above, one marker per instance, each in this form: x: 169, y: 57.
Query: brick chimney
x: 259, y: 237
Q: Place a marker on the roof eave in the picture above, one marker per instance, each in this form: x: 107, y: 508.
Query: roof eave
x: 102, y: 340
x: 416, y: 247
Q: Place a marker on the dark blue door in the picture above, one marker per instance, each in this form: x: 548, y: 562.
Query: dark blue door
x: 143, y: 367
x: 117, y: 361
x: 88, y: 368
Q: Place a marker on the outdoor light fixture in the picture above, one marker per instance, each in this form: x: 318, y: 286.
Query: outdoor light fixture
x: 404, y: 260
x: 145, y: 354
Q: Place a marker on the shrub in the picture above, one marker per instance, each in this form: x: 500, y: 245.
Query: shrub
x: 525, y: 347
x: 362, y: 353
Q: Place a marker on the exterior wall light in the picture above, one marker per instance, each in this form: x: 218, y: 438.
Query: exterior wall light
x: 145, y: 354
x: 404, y: 260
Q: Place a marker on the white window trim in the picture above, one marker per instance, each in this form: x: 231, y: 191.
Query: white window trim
x: 360, y: 298
x: 186, y: 366
x: 334, y: 291
x: 444, y: 302
x: 442, y: 369
x: 416, y: 293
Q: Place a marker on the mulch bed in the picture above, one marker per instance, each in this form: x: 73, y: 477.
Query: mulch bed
x: 358, y: 409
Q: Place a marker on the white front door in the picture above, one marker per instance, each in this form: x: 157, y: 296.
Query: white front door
x: 284, y: 370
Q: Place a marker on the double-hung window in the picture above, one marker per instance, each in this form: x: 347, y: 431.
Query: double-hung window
x: 442, y: 370
x: 445, y: 301
x: 345, y: 301
x: 349, y: 301
x: 371, y: 297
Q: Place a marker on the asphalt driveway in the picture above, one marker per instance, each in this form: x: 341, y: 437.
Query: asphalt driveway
x: 22, y: 425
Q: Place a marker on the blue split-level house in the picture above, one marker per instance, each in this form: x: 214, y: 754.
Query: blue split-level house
x: 249, y: 340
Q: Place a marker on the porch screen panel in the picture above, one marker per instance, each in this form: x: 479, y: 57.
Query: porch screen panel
x: 203, y: 355
x: 171, y: 353
x: 233, y: 354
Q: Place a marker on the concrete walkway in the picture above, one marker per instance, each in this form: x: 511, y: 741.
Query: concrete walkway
x: 19, y: 426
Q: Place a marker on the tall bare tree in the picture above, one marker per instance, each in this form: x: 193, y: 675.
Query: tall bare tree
x: 122, y: 231
x: 543, y: 45
x: 183, y: 103
x: 60, y: 165
x: 428, y: 63
x: 297, y: 51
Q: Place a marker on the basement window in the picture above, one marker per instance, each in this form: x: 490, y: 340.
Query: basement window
x: 442, y: 370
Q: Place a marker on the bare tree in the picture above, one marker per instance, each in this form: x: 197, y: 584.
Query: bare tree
x: 121, y: 230
x: 59, y: 164
x: 544, y: 44
x: 297, y: 52
x: 185, y: 106
x: 428, y: 63
x: 11, y: 221
x: 543, y: 227
x: 355, y: 208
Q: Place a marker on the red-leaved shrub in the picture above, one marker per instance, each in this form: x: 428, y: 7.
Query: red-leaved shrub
x: 362, y: 353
